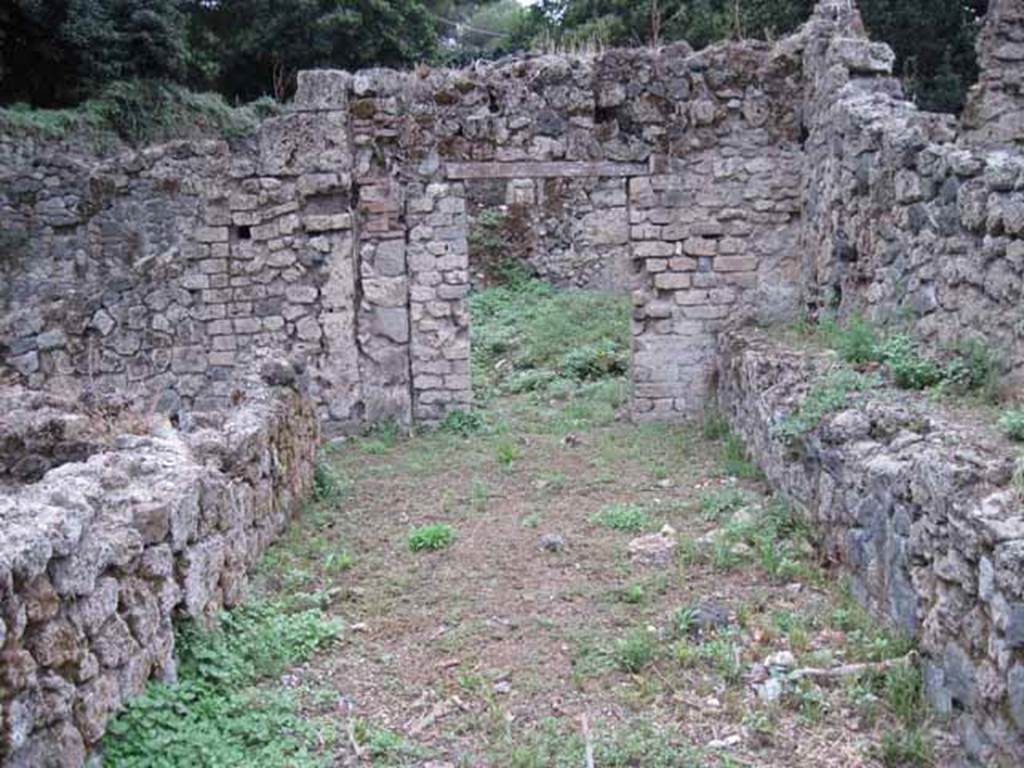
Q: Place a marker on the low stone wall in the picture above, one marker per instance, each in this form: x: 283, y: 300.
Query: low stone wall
x: 919, y: 510
x: 99, y: 556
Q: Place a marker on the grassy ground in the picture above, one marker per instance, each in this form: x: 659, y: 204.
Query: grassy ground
x: 419, y: 621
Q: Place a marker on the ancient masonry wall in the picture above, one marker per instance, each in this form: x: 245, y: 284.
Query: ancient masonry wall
x: 338, y: 234
x: 995, y: 107
x: 99, y: 555
x: 902, y: 222
x: 919, y: 511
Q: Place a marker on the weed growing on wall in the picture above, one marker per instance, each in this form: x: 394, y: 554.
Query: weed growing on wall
x: 967, y: 368
x: 829, y: 395
x: 220, y: 712
x: 140, y: 112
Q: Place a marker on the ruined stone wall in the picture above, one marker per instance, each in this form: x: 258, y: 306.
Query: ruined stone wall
x: 901, y: 222
x: 995, y: 106
x: 919, y: 510
x: 99, y: 555
x: 167, y: 273
x: 338, y: 233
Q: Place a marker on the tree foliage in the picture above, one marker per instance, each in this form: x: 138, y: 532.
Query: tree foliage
x: 60, y: 52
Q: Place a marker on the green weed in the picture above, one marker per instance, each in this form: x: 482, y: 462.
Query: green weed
x: 905, y: 749
x: 1012, y: 424
x: 858, y: 342
x: 219, y: 713
x: 909, y: 369
x: 432, y: 538
x: 830, y: 394
x: 735, y: 460
x: 380, y: 438
x: 329, y: 484
x: 635, y: 651
x: 462, y: 423
x: 715, y: 504
x: 528, y: 337
x: 622, y: 517
x: 507, y: 452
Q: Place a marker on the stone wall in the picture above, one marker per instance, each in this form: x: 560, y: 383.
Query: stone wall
x: 919, y: 510
x: 995, y: 108
x: 902, y: 222
x: 338, y: 233
x: 99, y: 555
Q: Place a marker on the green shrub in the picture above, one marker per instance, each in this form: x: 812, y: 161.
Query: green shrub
x: 622, y: 517
x: 1012, y: 424
x: 462, y: 423
x: 858, y: 342
x: 908, y: 368
x: 905, y: 749
x: 329, y: 485
x: 432, y: 538
x: 714, y: 425
x: 973, y: 368
x: 142, y: 111
x: 599, y: 360
x: 506, y: 452
x: 219, y: 713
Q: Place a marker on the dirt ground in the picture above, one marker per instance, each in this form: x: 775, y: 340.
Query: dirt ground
x: 499, y: 651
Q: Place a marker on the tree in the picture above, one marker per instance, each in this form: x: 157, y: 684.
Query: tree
x: 280, y: 37
x: 934, y: 45
x: 61, y: 51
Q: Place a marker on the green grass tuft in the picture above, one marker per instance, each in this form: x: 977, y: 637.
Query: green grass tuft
x: 432, y: 538
x: 622, y: 517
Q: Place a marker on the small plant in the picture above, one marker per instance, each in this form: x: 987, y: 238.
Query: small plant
x: 830, y: 394
x: 622, y: 517
x: 905, y: 749
x: 973, y: 369
x: 463, y: 423
x: 431, y: 538
x: 380, y: 438
x: 635, y: 651
x: 480, y: 492
x: 633, y: 594
x: 735, y: 460
x: 336, y: 562
x: 599, y: 360
x: 857, y: 343
x: 219, y: 713
x: 532, y: 520
x: 506, y: 452
x: 329, y: 485
x: 684, y: 620
x: 723, y: 654
x: 908, y: 368
x: 714, y: 425
x: 382, y: 744
x: 716, y: 504
x: 1012, y: 424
